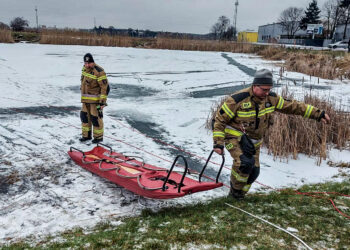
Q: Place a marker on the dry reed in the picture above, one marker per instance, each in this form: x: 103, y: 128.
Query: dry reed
x: 72, y: 37
x: 290, y: 135
x: 315, y: 63
x: 5, y: 36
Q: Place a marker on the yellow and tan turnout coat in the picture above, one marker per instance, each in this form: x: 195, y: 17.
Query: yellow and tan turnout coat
x: 94, y: 85
x: 244, y: 112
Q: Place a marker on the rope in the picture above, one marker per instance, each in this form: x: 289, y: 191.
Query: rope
x: 164, y: 143
x: 182, y: 150
x: 130, y: 145
x: 284, y: 230
x: 312, y: 194
x: 200, y: 157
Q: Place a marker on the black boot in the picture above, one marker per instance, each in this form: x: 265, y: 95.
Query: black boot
x: 97, y: 140
x: 82, y: 139
x: 237, y: 194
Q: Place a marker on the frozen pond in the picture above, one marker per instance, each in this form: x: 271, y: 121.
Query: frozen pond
x: 160, y: 94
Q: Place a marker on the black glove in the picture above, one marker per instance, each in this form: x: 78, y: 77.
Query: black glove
x: 247, y: 146
x: 322, y: 115
x: 219, y: 146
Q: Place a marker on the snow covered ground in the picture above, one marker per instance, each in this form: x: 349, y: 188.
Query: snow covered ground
x: 163, y: 94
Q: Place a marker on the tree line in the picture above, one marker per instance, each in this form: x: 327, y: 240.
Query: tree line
x: 333, y: 13
x: 292, y: 19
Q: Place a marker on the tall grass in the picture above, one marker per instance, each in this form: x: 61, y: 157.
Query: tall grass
x: 329, y: 65
x: 5, y: 36
x: 290, y: 135
x: 73, y: 37
x: 203, y: 45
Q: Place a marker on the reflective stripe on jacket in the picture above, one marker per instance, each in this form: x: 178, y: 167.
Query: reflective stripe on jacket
x: 243, y: 111
x: 94, y: 85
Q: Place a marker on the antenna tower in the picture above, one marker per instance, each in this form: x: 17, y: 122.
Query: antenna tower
x: 36, y: 15
x: 235, y: 17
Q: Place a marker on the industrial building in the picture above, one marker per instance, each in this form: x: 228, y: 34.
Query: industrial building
x: 247, y: 36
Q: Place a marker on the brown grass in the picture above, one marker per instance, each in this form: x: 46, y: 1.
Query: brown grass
x: 72, y: 37
x: 202, y: 45
x: 328, y: 65
x: 343, y: 66
x: 290, y: 135
x: 5, y: 36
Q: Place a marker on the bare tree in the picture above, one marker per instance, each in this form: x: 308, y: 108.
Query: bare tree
x: 345, y: 5
x: 18, y: 24
x: 220, y: 28
x: 215, y: 30
x: 290, y: 19
x: 333, y: 14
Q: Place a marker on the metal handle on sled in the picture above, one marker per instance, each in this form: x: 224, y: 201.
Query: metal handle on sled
x: 171, y: 169
x: 110, y: 148
x: 206, y: 164
x: 71, y: 149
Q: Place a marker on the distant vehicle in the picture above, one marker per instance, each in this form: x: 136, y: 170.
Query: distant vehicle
x: 340, y: 44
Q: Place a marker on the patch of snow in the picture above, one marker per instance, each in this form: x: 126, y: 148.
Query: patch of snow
x: 43, y: 192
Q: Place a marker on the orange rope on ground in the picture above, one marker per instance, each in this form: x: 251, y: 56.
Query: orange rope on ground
x: 112, y: 138
x: 310, y: 194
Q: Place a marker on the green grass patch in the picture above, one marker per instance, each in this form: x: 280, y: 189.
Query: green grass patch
x: 215, y: 225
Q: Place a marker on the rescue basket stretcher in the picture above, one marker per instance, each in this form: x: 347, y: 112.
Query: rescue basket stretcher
x: 132, y: 173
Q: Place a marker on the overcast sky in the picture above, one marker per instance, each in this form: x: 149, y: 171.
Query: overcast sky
x: 190, y: 16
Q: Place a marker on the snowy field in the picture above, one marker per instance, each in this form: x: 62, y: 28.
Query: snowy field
x: 162, y: 94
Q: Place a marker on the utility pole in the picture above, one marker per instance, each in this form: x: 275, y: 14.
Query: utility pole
x: 235, y: 18
x: 94, y: 22
x: 36, y: 14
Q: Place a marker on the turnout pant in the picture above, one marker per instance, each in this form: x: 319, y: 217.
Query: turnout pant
x: 90, y: 117
x: 245, y: 170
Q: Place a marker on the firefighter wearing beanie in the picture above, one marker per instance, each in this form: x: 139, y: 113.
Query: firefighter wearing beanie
x: 94, y: 91
x: 241, y: 122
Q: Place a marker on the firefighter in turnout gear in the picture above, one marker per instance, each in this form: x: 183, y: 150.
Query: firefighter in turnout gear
x: 241, y: 122
x: 94, y: 91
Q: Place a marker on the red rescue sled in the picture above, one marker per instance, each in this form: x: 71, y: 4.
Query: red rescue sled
x: 141, y: 178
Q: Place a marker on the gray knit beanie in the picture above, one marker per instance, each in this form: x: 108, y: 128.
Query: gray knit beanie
x: 263, y: 77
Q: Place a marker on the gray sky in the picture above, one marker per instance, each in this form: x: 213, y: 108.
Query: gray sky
x: 190, y: 16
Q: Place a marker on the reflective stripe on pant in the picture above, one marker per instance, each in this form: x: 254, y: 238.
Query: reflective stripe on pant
x: 242, y: 166
x: 89, y: 118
